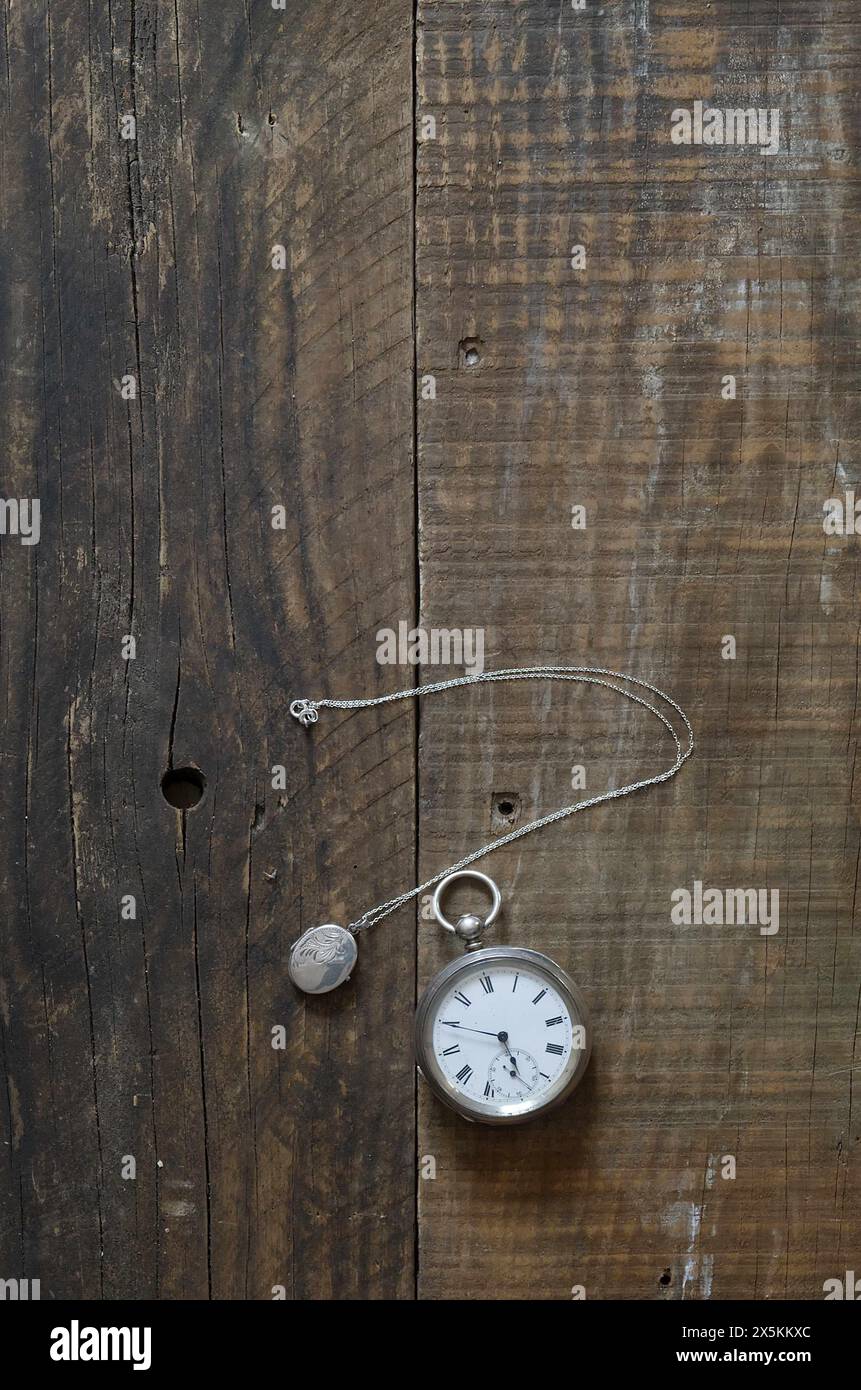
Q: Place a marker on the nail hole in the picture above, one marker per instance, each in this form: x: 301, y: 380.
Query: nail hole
x: 182, y: 787
x: 504, y: 810
x: 469, y: 350
x: 666, y: 1278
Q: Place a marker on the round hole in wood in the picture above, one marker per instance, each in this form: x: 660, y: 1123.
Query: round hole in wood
x: 183, y: 787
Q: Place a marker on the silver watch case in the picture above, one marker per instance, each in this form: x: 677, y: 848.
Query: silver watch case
x: 478, y: 1111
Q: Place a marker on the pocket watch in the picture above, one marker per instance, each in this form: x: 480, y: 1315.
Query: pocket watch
x: 502, y: 1035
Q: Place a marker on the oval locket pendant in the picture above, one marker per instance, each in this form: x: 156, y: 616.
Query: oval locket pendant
x: 322, y: 958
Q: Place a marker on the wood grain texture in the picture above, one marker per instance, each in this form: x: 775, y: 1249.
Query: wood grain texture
x: 601, y: 387
x: 257, y: 387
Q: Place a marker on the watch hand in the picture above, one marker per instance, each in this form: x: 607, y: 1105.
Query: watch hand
x: 453, y: 1023
x: 515, y: 1072
x: 518, y: 1076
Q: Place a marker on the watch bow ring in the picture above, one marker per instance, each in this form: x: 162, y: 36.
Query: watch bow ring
x: 469, y: 926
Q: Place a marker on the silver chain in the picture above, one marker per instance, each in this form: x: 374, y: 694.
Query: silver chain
x: 306, y: 711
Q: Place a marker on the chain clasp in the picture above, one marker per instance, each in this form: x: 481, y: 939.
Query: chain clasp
x: 305, y: 711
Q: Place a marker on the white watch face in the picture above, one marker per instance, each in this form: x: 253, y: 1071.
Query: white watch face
x: 502, y: 1034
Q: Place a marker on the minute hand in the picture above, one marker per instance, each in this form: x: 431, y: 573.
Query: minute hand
x: 453, y: 1023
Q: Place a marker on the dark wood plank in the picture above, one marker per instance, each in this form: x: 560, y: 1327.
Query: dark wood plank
x: 602, y: 387
x: 257, y: 387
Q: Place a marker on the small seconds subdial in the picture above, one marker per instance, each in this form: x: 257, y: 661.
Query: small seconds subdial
x: 513, y: 1075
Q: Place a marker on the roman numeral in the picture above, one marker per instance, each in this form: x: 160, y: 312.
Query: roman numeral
x: 488, y: 1090
x: 539, y: 996
x: 447, y: 1051
x: 464, y: 1074
x: 556, y: 1048
x: 551, y: 1022
x: 487, y: 984
x: 462, y: 999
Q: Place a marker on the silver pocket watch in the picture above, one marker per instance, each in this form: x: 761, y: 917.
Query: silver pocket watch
x: 501, y: 1035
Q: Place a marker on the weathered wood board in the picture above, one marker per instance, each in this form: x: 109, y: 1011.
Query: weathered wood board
x: 265, y: 295
x: 255, y: 387
x: 601, y: 387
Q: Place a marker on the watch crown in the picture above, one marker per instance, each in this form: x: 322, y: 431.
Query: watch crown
x: 469, y: 928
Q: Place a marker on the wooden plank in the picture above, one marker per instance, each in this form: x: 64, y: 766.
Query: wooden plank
x: 601, y: 387
x: 256, y: 387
